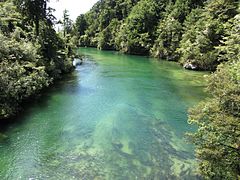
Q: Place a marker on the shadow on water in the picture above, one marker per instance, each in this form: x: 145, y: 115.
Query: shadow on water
x: 68, y: 82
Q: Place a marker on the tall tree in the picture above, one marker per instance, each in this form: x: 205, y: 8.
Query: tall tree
x: 67, y: 23
x: 136, y: 34
x: 81, y: 25
x: 204, y: 32
x: 34, y: 10
x: 28, y: 63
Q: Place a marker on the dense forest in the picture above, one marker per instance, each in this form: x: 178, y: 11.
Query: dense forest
x: 32, y: 54
x: 189, y: 32
x: 199, y: 34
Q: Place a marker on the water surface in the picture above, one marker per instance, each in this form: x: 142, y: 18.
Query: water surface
x: 115, y: 117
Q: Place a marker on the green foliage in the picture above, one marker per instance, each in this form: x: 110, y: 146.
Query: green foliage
x: 20, y: 76
x: 9, y: 17
x: 106, y: 38
x: 170, y: 30
x: 188, y: 31
x: 80, y: 25
x: 230, y: 48
x: 103, y: 14
x: 170, y: 33
x: 54, y: 51
x: 217, y: 139
x: 28, y: 63
x: 136, y: 34
x: 34, y: 11
x: 204, y: 32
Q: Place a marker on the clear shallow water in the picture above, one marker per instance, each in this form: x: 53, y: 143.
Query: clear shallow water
x: 115, y: 117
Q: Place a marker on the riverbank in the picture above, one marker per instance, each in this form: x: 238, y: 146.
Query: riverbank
x: 187, y: 65
x: 33, y: 55
x: 111, y: 118
x: 188, y: 32
x: 21, y: 106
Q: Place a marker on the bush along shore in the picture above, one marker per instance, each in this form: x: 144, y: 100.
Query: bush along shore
x: 32, y: 54
x: 188, y: 32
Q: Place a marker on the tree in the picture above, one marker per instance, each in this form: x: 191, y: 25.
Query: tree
x: 28, y: 62
x: 67, y: 23
x: 217, y: 139
x: 136, y: 34
x: 81, y: 25
x: 203, y: 33
x: 230, y: 48
x: 20, y: 75
x: 34, y: 10
x: 103, y: 14
x: 170, y: 29
x: 106, y: 38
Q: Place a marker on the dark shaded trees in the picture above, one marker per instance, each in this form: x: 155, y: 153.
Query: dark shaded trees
x: 80, y: 25
x: 107, y: 38
x: 67, y: 23
x: 34, y: 11
x: 29, y: 61
x: 170, y: 29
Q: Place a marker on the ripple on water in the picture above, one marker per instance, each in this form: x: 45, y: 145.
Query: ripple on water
x: 116, y: 117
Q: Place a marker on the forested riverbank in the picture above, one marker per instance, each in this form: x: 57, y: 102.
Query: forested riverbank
x: 32, y: 54
x: 115, y: 117
x: 193, y: 33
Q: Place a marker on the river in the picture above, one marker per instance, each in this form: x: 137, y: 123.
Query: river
x: 115, y: 117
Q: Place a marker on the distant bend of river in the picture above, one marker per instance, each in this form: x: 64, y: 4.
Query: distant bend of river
x: 115, y: 117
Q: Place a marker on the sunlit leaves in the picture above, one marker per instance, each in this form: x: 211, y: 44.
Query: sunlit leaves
x: 217, y: 139
x: 136, y: 34
x: 28, y: 63
x: 204, y: 32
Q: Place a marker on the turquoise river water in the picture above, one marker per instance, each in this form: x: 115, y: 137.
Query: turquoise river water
x: 115, y: 117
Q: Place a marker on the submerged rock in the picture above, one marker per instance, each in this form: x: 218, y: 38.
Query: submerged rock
x: 190, y: 65
x: 77, y: 62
